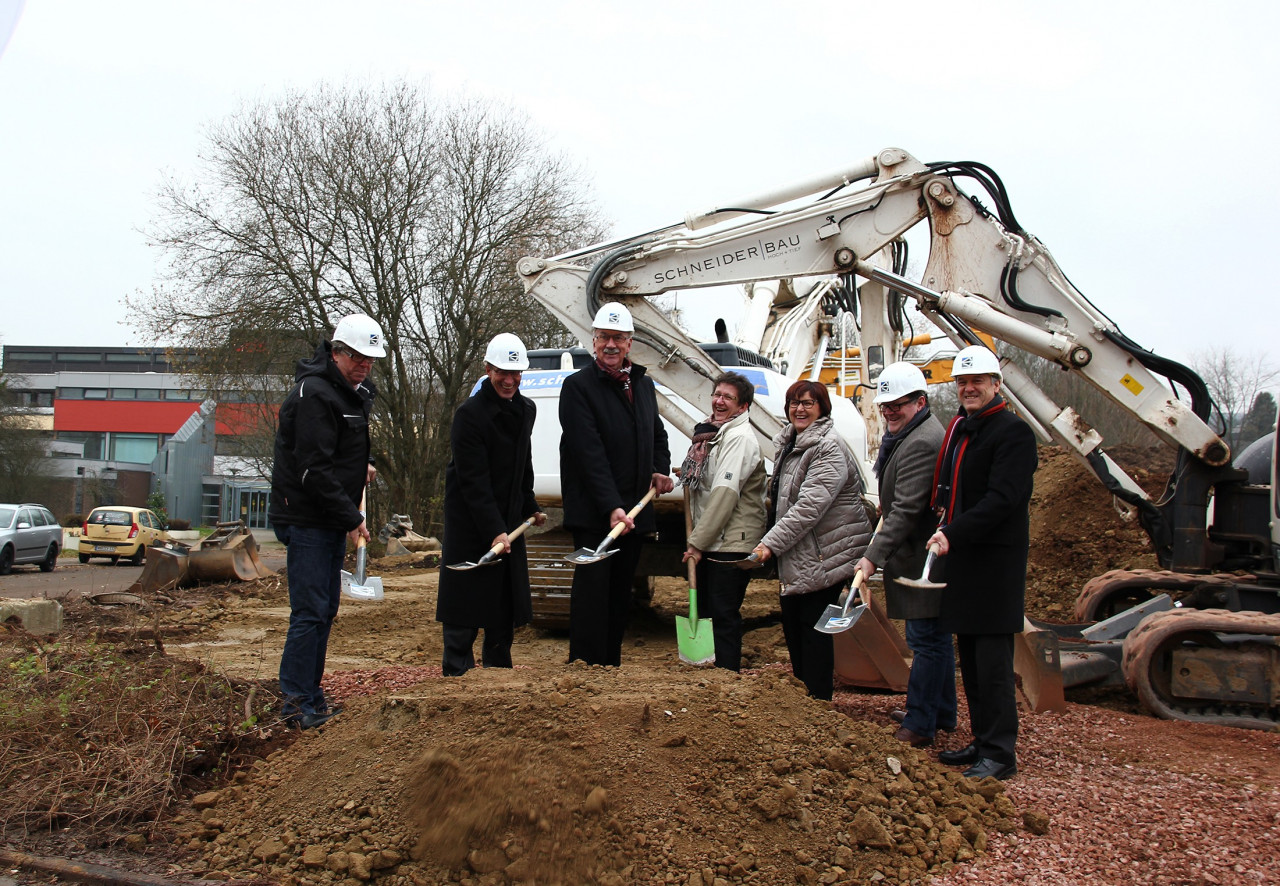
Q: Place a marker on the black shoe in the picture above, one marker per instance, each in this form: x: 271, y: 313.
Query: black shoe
x: 311, y: 721
x: 898, y: 716
x: 988, y: 768
x: 966, y: 756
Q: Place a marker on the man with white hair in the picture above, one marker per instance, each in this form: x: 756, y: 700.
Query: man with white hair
x: 613, y: 447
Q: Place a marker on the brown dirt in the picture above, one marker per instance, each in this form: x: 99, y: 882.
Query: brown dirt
x: 659, y: 773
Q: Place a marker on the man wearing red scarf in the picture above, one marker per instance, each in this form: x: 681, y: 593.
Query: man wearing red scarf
x: 982, y: 493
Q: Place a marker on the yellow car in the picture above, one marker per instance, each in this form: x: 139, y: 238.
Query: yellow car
x: 114, y: 532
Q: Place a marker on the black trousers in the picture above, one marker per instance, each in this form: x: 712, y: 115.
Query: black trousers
x: 986, y: 669
x: 721, y: 589
x: 495, y: 651
x: 600, y: 600
x: 813, y: 655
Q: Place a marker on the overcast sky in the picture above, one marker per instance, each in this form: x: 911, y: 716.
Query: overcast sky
x: 1133, y: 137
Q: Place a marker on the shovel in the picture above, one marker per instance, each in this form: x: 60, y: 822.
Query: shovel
x: 836, y: 619
x: 696, y: 642
x: 751, y: 561
x: 357, y: 586
x: 583, y: 556
x: 492, y: 555
x: 923, y: 581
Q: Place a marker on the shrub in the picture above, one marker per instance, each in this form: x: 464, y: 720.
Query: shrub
x: 179, y: 524
x: 73, y: 521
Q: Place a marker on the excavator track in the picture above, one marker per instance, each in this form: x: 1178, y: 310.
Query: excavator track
x: 1207, y: 666
x: 1113, y: 592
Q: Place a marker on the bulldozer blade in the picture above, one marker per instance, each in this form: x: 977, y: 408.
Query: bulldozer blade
x: 1038, y: 664
x: 166, y: 569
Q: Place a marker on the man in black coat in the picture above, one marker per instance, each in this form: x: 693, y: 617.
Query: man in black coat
x: 983, y: 493
x: 488, y: 491
x: 613, y: 447
x: 322, y: 465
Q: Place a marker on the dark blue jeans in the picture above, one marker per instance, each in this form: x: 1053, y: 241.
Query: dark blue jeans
x: 931, y: 688
x: 314, y: 566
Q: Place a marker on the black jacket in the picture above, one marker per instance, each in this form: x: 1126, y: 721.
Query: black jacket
x: 322, y: 447
x: 488, y: 490
x: 986, y: 569
x: 609, y: 448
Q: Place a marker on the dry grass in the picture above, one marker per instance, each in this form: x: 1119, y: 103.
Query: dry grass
x: 96, y: 734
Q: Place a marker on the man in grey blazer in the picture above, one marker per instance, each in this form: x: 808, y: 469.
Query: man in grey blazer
x: 904, y: 466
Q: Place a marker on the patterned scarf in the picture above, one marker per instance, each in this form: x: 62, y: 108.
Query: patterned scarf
x: 946, y: 472
x: 621, y: 376
x: 703, y: 433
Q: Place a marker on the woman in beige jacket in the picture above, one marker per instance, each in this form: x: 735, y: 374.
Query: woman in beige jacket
x: 819, y: 528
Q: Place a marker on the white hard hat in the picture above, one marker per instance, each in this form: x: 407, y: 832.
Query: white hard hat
x: 898, y: 380
x: 362, y: 334
x: 506, y: 351
x: 976, y: 360
x: 615, y: 317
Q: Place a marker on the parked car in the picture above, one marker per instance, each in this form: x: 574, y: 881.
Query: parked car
x: 29, y: 533
x: 118, y: 531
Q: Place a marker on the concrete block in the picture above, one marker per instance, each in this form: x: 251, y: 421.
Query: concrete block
x: 35, y: 616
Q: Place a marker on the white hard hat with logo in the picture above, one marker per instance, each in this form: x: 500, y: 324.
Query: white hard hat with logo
x: 615, y: 317
x: 976, y: 360
x: 506, y: 351
x: 899, y: 380
x: 362, y: 334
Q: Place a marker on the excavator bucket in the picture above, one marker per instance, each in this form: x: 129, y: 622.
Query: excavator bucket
x: 166, y: 569
x: 871, y: 654
x: 1038, y: 664
x: 230, y: 553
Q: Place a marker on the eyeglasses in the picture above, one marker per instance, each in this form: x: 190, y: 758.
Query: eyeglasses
x: 802, y: 404
x: 616, y: 336
x: 728, y: 398
x: 355, y: 357
x: 896, y: 406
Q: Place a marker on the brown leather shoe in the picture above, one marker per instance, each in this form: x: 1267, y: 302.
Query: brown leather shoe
x: 916, y: 741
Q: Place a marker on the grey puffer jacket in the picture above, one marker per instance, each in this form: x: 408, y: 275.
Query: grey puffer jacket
x: 822, y: 527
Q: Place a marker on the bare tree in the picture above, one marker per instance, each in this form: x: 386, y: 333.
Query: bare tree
x: 1234, y: 381
x: 379, y: 200
x: 24, y: 474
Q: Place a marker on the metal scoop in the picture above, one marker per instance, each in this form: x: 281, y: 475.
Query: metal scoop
x: 491, y: 556
x: 583, y: 556
x: 357, y: 586
x: 923, y: 581
x: 840, y: 618
x: 750, y: 562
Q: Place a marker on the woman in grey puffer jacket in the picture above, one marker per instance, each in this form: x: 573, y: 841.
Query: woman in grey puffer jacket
x: 819, y: 528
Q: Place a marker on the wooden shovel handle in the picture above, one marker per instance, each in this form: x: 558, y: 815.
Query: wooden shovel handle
x: 513, y: 535
x: 616, y: 531
x: 360, y: 538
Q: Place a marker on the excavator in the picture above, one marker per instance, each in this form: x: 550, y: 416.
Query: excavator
x: 1196, y: 640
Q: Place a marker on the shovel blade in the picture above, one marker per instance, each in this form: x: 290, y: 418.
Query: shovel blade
x: 467, y: 564
x: 834, y: 619
x: 370, y: 590
x: 583, y: 556
x: 696, y: 642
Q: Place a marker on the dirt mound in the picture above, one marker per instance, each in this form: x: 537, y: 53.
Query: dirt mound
x: 1076, y: 532
x: 649, y: 773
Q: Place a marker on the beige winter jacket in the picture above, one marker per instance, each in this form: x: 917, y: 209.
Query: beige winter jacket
x: 822, y: 527
x: 728, y: 505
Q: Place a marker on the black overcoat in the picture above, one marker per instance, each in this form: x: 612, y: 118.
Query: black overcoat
x: 609, y: 448
x: 488, y: 490
x: 898, y: 549
x: 986, y: 569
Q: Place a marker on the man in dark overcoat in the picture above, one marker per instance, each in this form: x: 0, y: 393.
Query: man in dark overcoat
x: 983, y: 493
x: 613, y: 447
x: 904, y: 466
x: 488, y: 491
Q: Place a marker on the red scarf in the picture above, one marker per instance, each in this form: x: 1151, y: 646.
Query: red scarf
x: 621, y: 376
x: 946, y: 471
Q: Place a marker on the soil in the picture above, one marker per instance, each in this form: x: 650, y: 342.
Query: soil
x: 655, y: 772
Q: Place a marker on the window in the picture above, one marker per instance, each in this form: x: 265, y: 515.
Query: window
x: 171, y: 394
x: 93, y: 441
x: 66, y: 357
x: 95, y: 393
x: 136, y: 448
x: 124, y: 394
x: 147, y: 394
x: 130, y: 357
x: 110, y: 518
x: 24, y: 516
x: 70, y: 393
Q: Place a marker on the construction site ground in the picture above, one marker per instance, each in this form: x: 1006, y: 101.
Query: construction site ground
x: 656, y: 772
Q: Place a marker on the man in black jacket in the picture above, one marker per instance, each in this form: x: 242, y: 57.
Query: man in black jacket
x: 613, y: 447
x: 322, y: 465
x: 982, y: 491
x: 488, y: 491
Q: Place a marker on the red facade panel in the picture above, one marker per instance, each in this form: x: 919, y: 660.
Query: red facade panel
x: 145, y: 416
